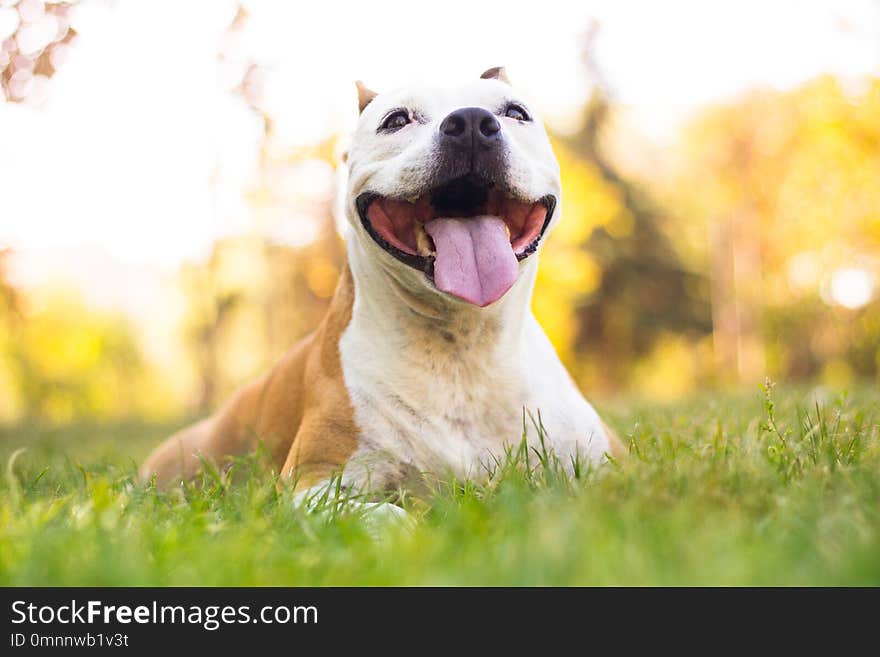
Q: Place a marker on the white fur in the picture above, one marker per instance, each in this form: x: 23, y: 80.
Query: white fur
x: 377, y: 516
x: 438, y: 384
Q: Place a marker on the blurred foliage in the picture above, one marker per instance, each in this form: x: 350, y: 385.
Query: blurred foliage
x: 611, y: 287
x: 250, y: 302
x: 62, y: 361
x: 34, y: 42
x: 787, y: 187
x: 754, y: 250
x: 257, y: 294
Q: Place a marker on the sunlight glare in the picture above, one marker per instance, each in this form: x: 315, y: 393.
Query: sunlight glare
x: 851, y: 287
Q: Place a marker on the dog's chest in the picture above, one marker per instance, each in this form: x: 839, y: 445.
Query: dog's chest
x: 434, y: 400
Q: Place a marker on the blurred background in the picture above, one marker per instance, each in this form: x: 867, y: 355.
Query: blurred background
x: 168, y: 176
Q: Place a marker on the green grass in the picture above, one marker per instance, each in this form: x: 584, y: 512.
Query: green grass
x: 722, y: 489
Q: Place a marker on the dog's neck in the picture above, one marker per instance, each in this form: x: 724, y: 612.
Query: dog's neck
x: 405, y: 318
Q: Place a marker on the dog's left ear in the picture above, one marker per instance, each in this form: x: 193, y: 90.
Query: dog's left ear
x: 495, y: 73
x: 364, y: 95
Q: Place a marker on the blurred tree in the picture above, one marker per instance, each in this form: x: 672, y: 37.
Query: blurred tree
x: 787, y: 186
x: 645, y: 291
x: 33, y: 45
x: 209, y: 310
x: 611, y: 285
x: 10, y: 322
x: 10, y: 298
x: 63, y: 361
x: 260, y: 292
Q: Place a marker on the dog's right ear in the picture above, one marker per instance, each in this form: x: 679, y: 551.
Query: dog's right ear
x: 364, y: 95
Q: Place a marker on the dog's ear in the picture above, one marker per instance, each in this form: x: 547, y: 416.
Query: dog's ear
x: 495, y: 73
x: 364, y: 95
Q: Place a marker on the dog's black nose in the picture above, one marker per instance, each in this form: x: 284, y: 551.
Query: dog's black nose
x: 469, y: 127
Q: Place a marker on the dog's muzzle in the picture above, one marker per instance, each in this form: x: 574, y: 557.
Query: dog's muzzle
x: 467, y: 235
x: 468, y: 231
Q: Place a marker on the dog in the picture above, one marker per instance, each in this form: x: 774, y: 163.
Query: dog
x: 429, y: 352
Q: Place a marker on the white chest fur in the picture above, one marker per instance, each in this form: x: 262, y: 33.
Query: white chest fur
x: 443, y: 390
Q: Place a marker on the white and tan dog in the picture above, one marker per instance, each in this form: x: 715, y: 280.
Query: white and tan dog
x: 429, y: 352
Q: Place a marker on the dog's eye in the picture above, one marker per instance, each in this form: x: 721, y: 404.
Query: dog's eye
x: 518, y: 112
x: 396, y: 120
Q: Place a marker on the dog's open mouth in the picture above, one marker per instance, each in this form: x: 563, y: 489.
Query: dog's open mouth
x: 467, y: 236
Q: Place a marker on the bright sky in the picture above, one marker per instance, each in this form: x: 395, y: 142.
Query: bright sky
x: 139, y: 148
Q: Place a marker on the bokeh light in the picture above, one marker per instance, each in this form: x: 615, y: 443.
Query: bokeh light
x: 851, y: 288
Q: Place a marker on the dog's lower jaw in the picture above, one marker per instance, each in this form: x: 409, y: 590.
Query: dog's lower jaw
x: 401, y: 299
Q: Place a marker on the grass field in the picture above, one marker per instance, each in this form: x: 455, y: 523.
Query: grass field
x: 722, y: 489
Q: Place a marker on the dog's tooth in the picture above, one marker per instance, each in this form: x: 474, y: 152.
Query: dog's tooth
x: 422, y: 241
x: 507, y: 230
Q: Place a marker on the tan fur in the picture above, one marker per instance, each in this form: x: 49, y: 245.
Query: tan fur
x: 300, y: 410
x: 496, y: 73
x: 365, y: 95
x: 615, y: 447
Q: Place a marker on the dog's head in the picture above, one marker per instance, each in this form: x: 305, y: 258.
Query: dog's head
x: 458, y: 186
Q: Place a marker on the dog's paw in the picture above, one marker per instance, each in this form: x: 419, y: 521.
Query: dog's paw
x: 381, y: 516
x: 378, y: 517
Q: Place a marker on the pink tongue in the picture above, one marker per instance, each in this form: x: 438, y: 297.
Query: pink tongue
x: 475, y: 261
